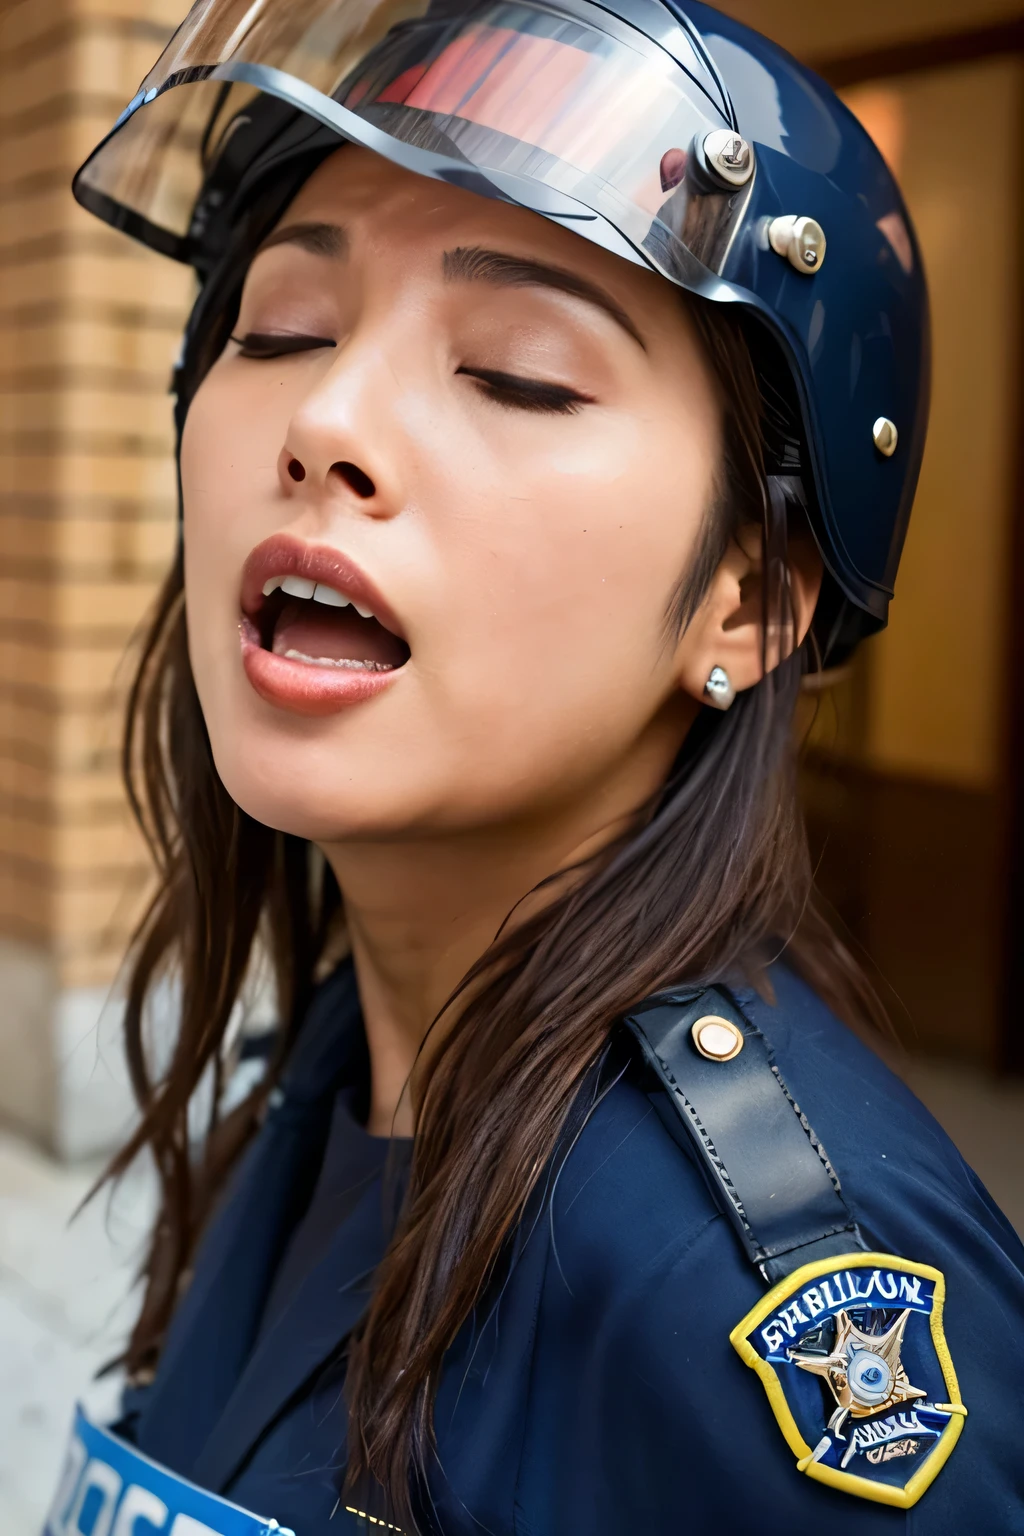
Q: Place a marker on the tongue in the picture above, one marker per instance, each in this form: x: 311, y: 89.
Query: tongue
x: 335, y: 636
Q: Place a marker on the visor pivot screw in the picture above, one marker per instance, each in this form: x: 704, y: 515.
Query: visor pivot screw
x: 886, y: 436
x: 717, y: 1039
x: 728, y: 157
x: 800, y: 240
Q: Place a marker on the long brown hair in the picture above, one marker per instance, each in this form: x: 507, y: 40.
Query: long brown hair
x: 711, y: 879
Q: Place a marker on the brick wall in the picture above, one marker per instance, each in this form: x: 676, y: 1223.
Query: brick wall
x: 88, y: 330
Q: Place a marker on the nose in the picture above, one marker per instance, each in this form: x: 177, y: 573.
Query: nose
x: 341, y: 446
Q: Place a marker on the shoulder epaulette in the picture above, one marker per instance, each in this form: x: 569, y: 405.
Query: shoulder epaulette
x: 848, y: 1343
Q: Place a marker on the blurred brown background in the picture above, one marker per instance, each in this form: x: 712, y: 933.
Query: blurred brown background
x: 915, y: 777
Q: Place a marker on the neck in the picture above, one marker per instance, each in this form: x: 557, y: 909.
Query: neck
x: 419, y: 916
x: 421, y: 912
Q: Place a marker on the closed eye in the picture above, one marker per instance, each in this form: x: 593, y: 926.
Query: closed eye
x: 267, y: 344
x: 516, y: 393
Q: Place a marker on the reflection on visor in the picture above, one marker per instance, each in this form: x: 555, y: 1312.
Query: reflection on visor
x: 531, y: 100
x: 496, y: 77
x: 576, y: 96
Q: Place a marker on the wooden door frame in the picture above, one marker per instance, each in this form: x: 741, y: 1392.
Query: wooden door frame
x: 939, y: 50
x: 948, y: 50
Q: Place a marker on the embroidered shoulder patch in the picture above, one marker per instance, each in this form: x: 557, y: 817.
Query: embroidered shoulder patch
x: 853, y: 1358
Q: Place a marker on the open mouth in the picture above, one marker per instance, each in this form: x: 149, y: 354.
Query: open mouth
x: 315, y: 623
x: 316, y: 634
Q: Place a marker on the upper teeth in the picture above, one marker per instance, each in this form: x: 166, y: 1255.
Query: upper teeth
x: 301, y: 586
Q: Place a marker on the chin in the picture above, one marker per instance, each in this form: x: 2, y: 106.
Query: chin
x: 342, y: 818
x: 300, y: 789
x: 367, y: 790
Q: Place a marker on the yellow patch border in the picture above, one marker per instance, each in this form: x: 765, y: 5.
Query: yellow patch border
x: 848, y: 1482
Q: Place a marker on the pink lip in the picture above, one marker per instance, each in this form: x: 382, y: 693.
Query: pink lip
x: 285, y: 555
x: 295, y: 685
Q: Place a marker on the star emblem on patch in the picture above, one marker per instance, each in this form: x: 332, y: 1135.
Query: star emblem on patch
x: 852, y: 1354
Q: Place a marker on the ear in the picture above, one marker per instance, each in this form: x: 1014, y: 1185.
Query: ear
x: 727, y: 629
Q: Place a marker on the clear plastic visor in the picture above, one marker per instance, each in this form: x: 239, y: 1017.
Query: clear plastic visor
x: 564, y: 109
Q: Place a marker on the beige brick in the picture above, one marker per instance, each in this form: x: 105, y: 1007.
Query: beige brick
x: 97, y: 964
x: 78, y: 850
x: 99, y: 908
x: 77, y: 474
x: 42, y: 751
x: 36, y: 143
x: 27, y: 20
x: 72, y: 353
x: 83, y: 411
x: 26, y: 910
x: 74, y: 610
x: 90, y: 265
x: 140, y: 548
x: 45, y: 213
x: 120, y: 61
x: 89, y: 328
x: 35, y: 653
x: 27, y: 844
x: 98, y: 794
x: 29, y: 668
x: 66, y: 741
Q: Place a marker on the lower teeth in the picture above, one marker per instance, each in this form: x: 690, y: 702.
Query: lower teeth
x: 345, y: 662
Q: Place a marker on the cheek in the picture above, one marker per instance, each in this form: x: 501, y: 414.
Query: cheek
x: 228, y: 449
x: 229, y: 453
x: 563, y: 579
x: 593, y: 539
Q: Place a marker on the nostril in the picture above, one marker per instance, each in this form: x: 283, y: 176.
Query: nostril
x: 296, y: 470
x: 353, y: 476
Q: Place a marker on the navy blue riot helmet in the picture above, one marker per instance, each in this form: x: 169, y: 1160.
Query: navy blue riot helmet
x: 663, y: 131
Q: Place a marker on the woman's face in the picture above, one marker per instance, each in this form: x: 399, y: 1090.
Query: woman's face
x: 497, y: 440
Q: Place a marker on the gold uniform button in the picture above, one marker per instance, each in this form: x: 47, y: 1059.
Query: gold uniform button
x: 716, y: 1038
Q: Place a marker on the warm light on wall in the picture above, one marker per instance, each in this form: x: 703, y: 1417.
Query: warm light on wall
x: 935, y: 697
x: 882, y: 112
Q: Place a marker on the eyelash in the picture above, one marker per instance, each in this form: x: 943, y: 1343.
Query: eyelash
x: 505, y: 389
x: 263, y: 346
x: 515, y: 393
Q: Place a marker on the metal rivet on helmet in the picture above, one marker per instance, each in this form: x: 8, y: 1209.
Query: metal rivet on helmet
x: 728, y: 157
x: 885, y: 435
x: 800, y: 239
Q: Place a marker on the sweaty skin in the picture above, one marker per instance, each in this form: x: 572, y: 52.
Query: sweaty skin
x: 520, y: 474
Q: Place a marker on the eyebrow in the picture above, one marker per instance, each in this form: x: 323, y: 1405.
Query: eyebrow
x: 318, y: 239
x: 468, y: 264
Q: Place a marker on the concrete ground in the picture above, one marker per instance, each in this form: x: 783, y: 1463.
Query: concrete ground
x: 65, y: 1286
x: 64, y: 1309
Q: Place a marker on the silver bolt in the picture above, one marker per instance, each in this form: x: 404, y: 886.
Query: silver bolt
x: 728, y: 157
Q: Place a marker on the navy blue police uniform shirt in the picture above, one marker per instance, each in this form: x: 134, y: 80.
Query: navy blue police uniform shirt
x: 597, y: 1392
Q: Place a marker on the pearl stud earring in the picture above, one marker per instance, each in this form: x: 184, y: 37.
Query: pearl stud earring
x: 718, y: 689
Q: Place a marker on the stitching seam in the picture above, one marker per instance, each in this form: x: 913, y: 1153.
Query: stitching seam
x: 712, y: 1153
x: 809, y: 1132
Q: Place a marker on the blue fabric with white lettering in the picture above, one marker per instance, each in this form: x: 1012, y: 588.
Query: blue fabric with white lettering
x: 597, y: 1393
x: 108, y: 1489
